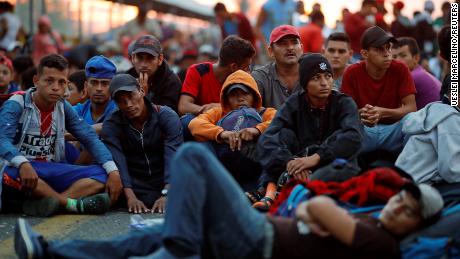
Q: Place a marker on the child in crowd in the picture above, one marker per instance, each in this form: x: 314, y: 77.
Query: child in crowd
x: 76, y: 92
x: 233, y: 128
x: 6, y: 76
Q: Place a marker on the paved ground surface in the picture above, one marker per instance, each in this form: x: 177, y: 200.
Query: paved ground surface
x: 67, y: 227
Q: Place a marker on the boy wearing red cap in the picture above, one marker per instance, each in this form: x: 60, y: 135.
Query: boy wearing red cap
x: 401, y: 26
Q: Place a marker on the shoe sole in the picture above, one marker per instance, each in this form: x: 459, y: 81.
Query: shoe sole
x: 22, y: 241
x: 101, y: 204
x: 41, y: 208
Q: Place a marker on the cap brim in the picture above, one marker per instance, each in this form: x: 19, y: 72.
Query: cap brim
x: 238, y: 86
x: 284, y: 35
x: 128, y: 88
x: 383, y: 40
x: 145, y: 50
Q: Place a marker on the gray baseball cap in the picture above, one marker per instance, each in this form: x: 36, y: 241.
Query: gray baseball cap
x: 123, y: 82
x: 430, y: 200
x: 147, y: 44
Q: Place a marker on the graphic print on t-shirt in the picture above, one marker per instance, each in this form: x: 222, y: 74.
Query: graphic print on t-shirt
x: 40, y: 137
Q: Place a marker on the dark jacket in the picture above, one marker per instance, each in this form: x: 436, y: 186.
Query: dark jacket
x: 335, y: 132
x: 143, y: 155
x: 164, y: 86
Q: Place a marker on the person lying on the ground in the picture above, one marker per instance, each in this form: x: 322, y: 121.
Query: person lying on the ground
x: 33, y: 149
x: 234, y: 128
x: 142, y: 137
x: 196, y: 227
x: 313, y: 128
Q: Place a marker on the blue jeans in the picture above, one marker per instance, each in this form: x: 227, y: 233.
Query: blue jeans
x: 383, y: 137
x: 208, y: 214
x: 185, y: 121
x: 138, y: 242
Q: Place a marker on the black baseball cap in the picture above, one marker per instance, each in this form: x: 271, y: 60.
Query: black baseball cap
x: 376, y: 37
x: 123, y: 82
x: 238, y: 86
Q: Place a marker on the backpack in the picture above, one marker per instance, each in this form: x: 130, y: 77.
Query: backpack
x: 440, y: 240
x: 241, y: 118
x: 300, y: 193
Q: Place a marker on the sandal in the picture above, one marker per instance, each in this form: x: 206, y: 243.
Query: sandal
x: 264, y: 204
x: 254, y: 196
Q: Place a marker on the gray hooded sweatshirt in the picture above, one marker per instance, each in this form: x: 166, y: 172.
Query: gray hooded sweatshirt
x: 432, y: 153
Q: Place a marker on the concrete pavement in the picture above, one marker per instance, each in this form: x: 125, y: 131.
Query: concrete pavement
x: 64, y: 227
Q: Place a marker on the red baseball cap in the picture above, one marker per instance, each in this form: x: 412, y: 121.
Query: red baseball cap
x: 4, y: 60
x: 398, y: 5
x: 281, y: 31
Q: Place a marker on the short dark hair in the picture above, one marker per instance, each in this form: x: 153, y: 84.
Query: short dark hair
x: 52, y: 61
x: 219, y: 7
x: 22, y: 63
x: 410, y: 42
x: 6, y: 6
x: 27, y: 78
x: 78, y: 78
x: 445, y: 5
x: 317, y: 16
x: 444, y: 42
x: 369, y: 2
x: 235, y: 50
x: 338, y: 36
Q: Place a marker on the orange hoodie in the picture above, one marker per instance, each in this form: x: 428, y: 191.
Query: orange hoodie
x: 204, y: 128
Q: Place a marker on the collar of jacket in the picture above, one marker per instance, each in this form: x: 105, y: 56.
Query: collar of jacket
x: 150, y: 110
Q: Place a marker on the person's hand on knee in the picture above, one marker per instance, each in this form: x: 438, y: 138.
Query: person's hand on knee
x: 114, y: 186
x: 29, y: 178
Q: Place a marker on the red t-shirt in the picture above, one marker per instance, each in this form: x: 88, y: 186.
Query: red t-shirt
x: 46, y: 131
x: 386, y: 92
x: 46, y: 118
x: 201, y: 83
x: 355, y: 25
x: 311, y: 37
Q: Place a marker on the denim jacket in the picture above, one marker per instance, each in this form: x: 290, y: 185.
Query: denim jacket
x: 15, y: 116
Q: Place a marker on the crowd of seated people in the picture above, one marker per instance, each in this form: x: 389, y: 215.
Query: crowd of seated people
x: 98, y: 139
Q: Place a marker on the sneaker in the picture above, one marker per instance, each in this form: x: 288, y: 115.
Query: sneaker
x: 27, y: 243
x: 44, y: 207
x: 95, y: 204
